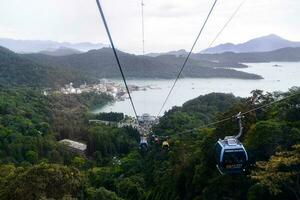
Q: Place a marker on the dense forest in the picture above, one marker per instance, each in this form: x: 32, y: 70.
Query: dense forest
x: 33, y: 165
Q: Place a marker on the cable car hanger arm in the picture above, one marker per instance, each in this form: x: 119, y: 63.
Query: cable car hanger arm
x: 239, y: 117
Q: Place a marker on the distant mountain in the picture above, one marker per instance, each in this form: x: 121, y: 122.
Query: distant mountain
x: 62, y: 51
x: 289, y: 54
x: 262, y: 44
x: 101, y: 64
x: 16, y: 70
x: 181, y: 52
x: 34, y: 46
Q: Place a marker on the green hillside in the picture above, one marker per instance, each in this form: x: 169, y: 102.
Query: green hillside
x: 114, y: 168
x: 19, y: 71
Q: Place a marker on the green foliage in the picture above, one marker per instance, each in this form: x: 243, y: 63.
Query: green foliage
x: 131, y: 188
x: 257, y: 192
x: 106, y: 141
x: 112, y: 116
x: 194, y: 176
x: 265, y: 137
x: 101, y: 194
x: 70, y: 113
x: 40, y: 181
x: 78, y: 162
x: 31, y: 124
x: 195, y: 112
x: 32, y: 157
x: 104, y: 177
x: 281, y: 172
x: 16, y: 70
x: 206, y: 107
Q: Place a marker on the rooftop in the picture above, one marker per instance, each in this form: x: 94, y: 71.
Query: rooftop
x: 231, y: 142
x: 74, y: 144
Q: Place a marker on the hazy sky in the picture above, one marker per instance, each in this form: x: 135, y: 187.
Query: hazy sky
x: 169, y: 24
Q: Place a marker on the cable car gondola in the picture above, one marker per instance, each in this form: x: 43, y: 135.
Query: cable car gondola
x: 143, y: 143
x: 166, y: 145
x: 232, y: 157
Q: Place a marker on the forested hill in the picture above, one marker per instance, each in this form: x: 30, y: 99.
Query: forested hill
x: 33, y: 165
x: 19, y: 71
x: 40, y: 70
x: 101, y: 64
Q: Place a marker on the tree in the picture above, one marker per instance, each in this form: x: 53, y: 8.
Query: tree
x: 101, y: 194
x: 130, y: 188
x: 264, y: 137
x: 32, y: 157
x: 103, y: 177
x: 78, y: 162
x: 281, y: 172
x: 41, y: 181
x: 258, y: 192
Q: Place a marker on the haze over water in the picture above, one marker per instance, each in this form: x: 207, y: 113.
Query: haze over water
x: 279, y: 78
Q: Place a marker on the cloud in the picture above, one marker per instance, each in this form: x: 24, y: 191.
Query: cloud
x: 169, y: 24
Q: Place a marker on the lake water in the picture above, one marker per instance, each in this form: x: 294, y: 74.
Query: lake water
x: 150, y: 101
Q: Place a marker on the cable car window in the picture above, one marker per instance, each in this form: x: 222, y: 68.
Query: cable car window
x: 218, y: 150
x: 234, y: 159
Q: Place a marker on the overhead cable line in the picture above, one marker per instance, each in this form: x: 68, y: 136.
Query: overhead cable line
x: 143, y: 27
x: 188, y: 56
x: 226, y: 24
x: 143, y: 41
x: 116, y: 56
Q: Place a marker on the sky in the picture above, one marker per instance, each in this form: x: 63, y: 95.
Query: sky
x: 169, y: 24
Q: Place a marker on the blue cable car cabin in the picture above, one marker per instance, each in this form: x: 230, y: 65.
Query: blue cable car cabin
x: 231, y: 156
x: 143, y: 144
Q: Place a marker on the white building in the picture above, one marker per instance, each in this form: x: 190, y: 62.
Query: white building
x: 76, y: 147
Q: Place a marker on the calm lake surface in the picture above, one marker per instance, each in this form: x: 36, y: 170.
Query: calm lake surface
x: 150, y: 101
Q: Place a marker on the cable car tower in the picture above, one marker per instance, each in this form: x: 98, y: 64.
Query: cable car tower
x: 232, y: 157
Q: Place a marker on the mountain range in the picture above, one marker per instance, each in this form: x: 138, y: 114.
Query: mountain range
x: 34, y: 46
x: 181, y: 52
x: 289, y: 54
x: 262, y: 44
x: 40, y: 70
x: 101, y: 64
x: 56, y: 67
x: 62, y: 51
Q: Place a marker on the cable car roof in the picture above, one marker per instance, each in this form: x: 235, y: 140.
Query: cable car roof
x: 231, y: 143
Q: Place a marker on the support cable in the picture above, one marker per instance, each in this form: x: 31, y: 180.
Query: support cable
x: 226, y: 24
x: 116, y: 56
x: 188, y: 56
